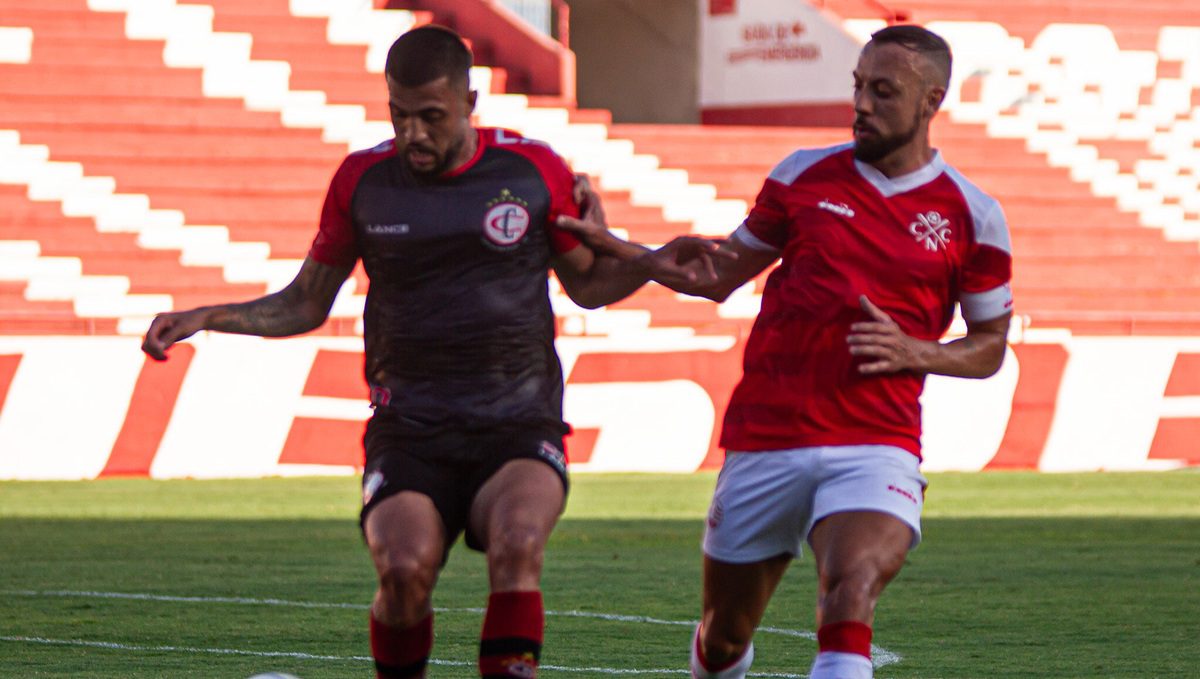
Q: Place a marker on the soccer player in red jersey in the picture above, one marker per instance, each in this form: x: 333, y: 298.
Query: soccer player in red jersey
x: 455, y: 226
x: 878, y: 239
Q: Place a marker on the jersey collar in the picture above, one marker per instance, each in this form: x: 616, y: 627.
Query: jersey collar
x: 479, y: 143
x: 891, y: 186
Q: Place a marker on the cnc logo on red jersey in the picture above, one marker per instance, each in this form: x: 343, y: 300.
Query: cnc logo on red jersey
x: 931, y: 230
x: 507, y: 219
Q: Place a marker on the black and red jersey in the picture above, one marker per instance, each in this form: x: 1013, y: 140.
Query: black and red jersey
x: 458, y: 327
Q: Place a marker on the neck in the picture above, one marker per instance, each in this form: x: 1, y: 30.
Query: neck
x: 466, y: 152
x: 905, y: 160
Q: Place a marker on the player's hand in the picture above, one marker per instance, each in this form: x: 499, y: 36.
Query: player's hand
x: 169, y: 328
x: 591, y: 226
x: 687, y: 261
x: 882, y: 339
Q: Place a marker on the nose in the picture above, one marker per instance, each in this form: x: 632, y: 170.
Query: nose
x: 862, y: 102
x: 414, y: 130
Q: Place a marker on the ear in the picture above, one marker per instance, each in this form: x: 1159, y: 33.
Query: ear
x: 933, y: 100
x: 472, y: 98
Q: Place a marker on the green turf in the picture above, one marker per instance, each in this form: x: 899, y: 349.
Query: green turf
x: 1020, y: 575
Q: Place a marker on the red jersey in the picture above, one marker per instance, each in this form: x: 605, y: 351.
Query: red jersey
x: 914, y: 245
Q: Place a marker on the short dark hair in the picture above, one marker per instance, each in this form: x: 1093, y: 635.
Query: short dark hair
x: 922, y: 41
x: 427, y: 53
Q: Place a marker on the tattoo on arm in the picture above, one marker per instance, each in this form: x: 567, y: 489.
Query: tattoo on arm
x: 301, y: 306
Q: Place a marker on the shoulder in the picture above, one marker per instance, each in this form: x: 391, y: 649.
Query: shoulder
x: 552, y: 169
x: 537, y: 152
x: 801, y: 160
x: 357, y: 162
x: 986, y: 214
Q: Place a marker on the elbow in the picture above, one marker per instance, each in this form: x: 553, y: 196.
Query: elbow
x: 587, y: 302
x: 311, y: 317
x: 595, y: 298
x: 992, y: 362
x: 716, y: 295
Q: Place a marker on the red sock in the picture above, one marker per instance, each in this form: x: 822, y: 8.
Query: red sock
x: 511, y: 642
x: 704, y: 661
x: 401, y: 654
x: 847, y: 636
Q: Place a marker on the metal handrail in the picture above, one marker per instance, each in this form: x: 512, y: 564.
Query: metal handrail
x: 562, y: 22
x: 892, y: 16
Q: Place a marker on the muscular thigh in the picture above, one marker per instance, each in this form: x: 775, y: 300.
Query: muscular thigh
x: 523, y: 487
x: 760, y: 506
x: 879, y: 479
x: 451, y: 470
x: 425, y: 478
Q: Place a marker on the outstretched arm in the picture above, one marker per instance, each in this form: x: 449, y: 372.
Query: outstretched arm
x: 593, y: 279
x: 688, y: 264
x: 978, y: 354
x: 301, y: 306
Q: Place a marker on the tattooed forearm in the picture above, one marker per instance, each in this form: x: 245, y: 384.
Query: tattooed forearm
x: 302, y: 306
x: 275, y: 315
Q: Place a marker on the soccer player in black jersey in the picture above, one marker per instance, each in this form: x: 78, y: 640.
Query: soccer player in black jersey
x: 455, y: 226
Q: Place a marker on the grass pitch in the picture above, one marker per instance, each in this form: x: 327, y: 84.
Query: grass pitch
x: 1020, y: 575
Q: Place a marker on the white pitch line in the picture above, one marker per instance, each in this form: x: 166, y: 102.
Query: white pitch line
x: 880, y: 657
x: 295, y: 655
x: 181, y: 649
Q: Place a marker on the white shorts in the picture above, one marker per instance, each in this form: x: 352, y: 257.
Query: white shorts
x: 766, y: 503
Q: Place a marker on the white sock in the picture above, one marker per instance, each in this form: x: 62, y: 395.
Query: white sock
x: 836, y: 665
x: 735, y: 671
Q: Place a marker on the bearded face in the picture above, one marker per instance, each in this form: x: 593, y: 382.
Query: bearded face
x: 872, y: 144
x: 891, y: 101
x: 432, y: 124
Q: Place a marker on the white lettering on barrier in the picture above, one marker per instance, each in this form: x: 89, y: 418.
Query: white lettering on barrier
x: 964, y: 420
x: 235, y: 407
x: 65, y: 405
x: 69, y: 398
x: 644, y: 426
x: 1110, y: 403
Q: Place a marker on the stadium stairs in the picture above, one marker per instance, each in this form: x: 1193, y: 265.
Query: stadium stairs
x: 1101, y: 97
x: 164, y: 155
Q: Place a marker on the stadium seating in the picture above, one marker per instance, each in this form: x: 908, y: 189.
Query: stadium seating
x: 195, y: 139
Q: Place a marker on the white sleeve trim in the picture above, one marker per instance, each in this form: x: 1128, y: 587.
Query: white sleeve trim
x: 751, y: 241
x: 986, y: 305
x: 991, y: 226
x: 800, y: 160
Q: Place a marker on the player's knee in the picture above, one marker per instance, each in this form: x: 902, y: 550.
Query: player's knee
x: 724, y: 646
x: 405, y: 585
x: 862, y: 582
x: 516, y: 549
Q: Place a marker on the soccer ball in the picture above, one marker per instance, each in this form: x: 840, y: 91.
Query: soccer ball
x: 274, y: 675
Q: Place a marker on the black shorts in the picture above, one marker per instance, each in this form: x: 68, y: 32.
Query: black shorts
x: 449, y: 467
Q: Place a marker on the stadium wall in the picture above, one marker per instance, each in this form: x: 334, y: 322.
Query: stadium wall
x: 637, y: 59
x: 232, y: 406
